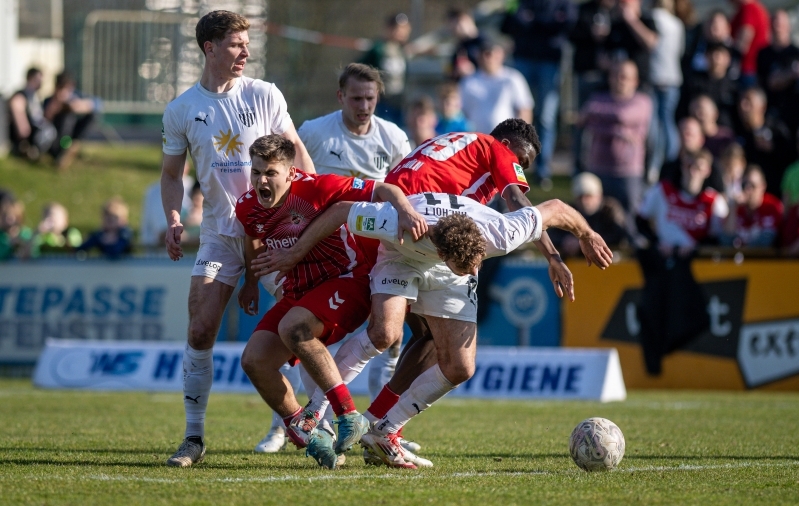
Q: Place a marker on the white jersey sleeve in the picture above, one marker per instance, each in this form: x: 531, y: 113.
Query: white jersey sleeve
x: 173, y: 133
x: 279, y: 119
x: 503, y: 232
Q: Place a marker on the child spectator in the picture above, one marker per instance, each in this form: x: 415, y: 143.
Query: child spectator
x: 732, y: 164
x: 757, y: 219
x: 15, y: 238
x: 54, y: 232
x: 115, y: 238
x: 451, y: 118
x: 421, y: 120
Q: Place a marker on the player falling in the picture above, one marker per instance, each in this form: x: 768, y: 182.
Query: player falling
x: 325, y: 296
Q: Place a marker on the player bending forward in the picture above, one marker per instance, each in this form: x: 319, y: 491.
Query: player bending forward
x: 442, y: 268
x: 325, y: 296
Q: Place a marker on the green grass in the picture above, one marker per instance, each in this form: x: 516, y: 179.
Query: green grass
x: 71, y: 447
x: 100, y: 172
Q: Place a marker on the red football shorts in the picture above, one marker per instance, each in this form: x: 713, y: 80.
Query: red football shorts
x: 342, y: 304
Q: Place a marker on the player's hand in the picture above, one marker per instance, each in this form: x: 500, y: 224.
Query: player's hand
x: 596, y: 251
x: 280, y: 260
x: 248, y: 297
x: 172, y: 240
x: 561, y: 276
x: 411, y: 222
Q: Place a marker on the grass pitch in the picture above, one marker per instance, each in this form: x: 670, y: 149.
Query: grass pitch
x: 65, y: 447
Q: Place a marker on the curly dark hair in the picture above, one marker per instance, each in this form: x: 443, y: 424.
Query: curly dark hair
x: 458, y: 240
x: 518, y: 132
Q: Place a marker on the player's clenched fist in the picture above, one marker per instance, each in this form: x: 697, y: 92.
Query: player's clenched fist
x: 173, y: 234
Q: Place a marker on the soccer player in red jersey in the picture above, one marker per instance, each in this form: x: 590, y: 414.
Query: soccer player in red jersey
x: 465, y: 164
x: 325, y: 296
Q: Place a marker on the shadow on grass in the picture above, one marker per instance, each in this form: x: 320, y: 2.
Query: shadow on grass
x: 131, y: 451
x: 159, y: 463
x: 628, y: 456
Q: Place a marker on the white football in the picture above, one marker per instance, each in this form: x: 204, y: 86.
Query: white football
x: 596, y: 444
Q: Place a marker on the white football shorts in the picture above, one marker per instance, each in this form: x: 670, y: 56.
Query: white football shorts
x: 431, y: 287
x: 220, y: 257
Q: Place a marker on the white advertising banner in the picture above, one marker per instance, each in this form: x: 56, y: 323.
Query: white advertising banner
x: 93, y: 300
x: 522, y: 373
x: 546, y: 373
x: 144, y: 366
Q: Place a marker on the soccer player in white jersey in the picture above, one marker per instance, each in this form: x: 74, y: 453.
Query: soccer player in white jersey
x: 216, y: 120
x: 441, y: 274
x: 354, y: 142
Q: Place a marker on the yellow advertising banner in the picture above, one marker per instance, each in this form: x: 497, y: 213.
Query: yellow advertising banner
x: 752, y: 342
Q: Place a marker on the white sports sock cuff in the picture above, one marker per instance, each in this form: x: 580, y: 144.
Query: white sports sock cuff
x: 367, y: 347
x: 198, y: 354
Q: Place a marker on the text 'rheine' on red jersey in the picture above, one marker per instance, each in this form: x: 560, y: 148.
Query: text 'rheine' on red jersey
x: 280, y: 227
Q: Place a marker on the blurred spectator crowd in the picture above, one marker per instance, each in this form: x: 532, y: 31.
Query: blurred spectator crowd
x: 686, y: 131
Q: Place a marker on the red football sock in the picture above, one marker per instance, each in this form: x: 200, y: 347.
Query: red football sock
x: 287, y: 419
x: 340, y: 399
x: 384, y: 401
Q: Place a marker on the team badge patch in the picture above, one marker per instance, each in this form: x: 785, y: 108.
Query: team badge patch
x: 364, y: 224
x: 519, y: 173
x: 247, y: 117
x: 296, y: 218
x: 357, y: 183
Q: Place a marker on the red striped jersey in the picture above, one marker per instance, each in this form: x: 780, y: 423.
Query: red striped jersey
x: 280, y: 227
x: 470, y: 164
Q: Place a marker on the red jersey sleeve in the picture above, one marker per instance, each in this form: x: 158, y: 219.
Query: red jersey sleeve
x: 324, y: 190
x: 505, y: 168
x: 243, y: 207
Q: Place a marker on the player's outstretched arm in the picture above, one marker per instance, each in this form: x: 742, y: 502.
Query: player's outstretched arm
x: 408, y: 219
x: 559, y: 274
x: 282, y: 260
x: 554, y: 213
x: 171, y: 199
x: 302, y: 160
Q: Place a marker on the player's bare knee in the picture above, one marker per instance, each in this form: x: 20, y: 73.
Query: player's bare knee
x: 201, y: 335
x: 457, y: 372
x: 250, y: 361
x: 295, y: 333
x: 383, y: 337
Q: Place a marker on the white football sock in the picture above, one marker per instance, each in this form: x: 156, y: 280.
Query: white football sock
x: 353, y: 356
x: 429, y: 387
x: 198, y: 375
x: 381, y: 369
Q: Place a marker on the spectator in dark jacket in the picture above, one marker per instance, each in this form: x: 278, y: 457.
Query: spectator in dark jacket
x: 778, y: 72
x: 539, y: 29
x: 767, y: 142
x: 604, y: 214
x: 115, y: 239
x: 469, y: 42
